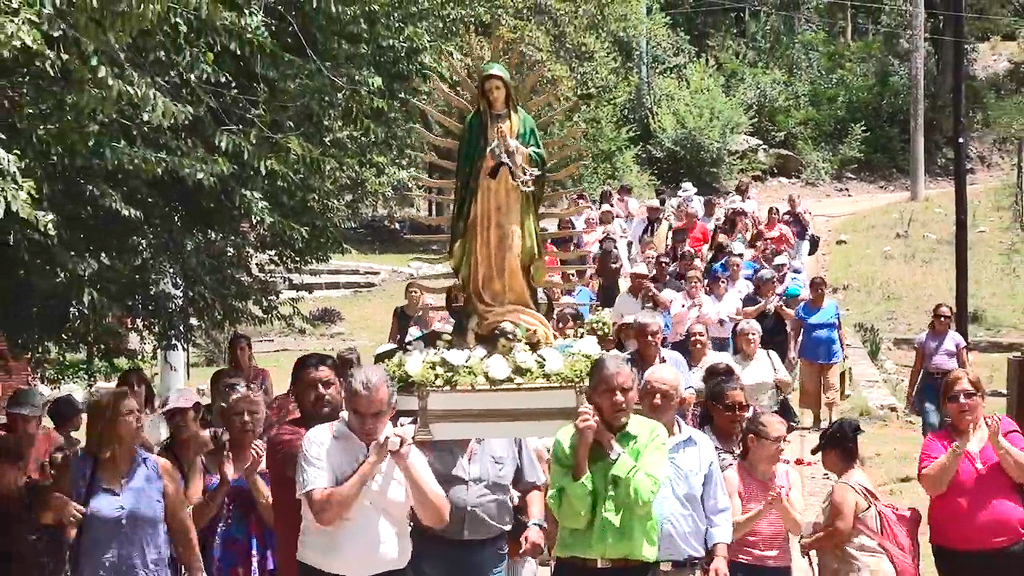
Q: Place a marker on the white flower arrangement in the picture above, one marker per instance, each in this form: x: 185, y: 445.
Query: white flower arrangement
x: 566, y: 363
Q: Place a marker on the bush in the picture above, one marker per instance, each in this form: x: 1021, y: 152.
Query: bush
x: 694, y: 123
x: 326, y: 315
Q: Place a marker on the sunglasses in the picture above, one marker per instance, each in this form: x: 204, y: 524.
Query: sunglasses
x: 958, y: 397
x: 942, y: 316
x: 734, y: 408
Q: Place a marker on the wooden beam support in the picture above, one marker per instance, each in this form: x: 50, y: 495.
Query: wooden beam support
x: 559, y: 194
x: 431, y: 158
x: 571, y: 136
x: 451, y: 97
x: 431, y: 183
x: 576, y: 211
x: 446, y: 121
x: 434, y: 197
x: 533, y: 105
x: 566, y: 172
x: 563, y: 153
x: 436, y: 140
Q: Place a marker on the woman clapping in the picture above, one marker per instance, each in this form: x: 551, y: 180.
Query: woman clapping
x: 972, y: 469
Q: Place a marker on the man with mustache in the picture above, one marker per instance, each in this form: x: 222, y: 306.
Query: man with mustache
x: 606, y: 470
x: 316, y: 390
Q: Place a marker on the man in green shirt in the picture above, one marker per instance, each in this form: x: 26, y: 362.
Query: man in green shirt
x: 606, y: 469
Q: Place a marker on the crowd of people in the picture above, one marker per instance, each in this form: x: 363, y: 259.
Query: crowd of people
x: 675, y: 463
x: 343, y: 488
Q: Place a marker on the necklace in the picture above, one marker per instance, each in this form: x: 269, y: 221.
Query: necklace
x: 499, y: 116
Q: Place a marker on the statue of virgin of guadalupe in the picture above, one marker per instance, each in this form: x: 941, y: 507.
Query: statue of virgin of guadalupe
x: 495, y: 239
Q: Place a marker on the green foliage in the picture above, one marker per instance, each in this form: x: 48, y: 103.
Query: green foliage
x: 215, y: 148
x: 871, y: 337
x: 694, y: 123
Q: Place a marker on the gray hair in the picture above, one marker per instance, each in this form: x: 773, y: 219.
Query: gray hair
x: 748, y: 325
x: 649, y: 318
x: 369, y: 379
x: 607, y: 364
x: 766, y: 275
x: 665, y: 369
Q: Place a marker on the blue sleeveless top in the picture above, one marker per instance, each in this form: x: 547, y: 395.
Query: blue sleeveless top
x: 123, y: 533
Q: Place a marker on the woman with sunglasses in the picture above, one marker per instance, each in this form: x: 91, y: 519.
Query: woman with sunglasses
x: 725, y: 412
x: 766, y: 500
x: 940, y: 350
x: 972, y: 470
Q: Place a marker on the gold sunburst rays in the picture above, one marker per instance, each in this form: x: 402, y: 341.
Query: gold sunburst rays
x: 451, y: 101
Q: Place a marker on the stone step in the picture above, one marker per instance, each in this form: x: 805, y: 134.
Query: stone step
x: 332, y: 282
x: 337, y: 268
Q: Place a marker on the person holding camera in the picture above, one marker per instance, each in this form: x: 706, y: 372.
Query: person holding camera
x: 358, y: 480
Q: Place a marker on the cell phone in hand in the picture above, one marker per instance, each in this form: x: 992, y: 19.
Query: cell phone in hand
x: 394, y: 443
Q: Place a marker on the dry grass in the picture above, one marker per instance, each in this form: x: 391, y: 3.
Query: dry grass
x: 895, y: 289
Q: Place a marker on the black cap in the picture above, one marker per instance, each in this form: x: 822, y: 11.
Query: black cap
x: 63, y: 409
x: 842, y: 432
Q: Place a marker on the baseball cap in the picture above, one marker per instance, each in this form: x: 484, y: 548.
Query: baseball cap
x: 180, y: 398
x: 27, y: 401
x: 781, y: 260
x: 842, y: 432
x: 738, y: 248
x: 63, y: 408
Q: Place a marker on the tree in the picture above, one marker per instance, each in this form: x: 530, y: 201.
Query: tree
x: 210, y: 146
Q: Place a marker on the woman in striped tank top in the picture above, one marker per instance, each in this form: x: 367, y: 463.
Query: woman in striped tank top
x: 766, y: 500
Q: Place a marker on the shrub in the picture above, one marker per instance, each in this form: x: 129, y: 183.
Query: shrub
x: 695, y: 121
x: 326, y: 315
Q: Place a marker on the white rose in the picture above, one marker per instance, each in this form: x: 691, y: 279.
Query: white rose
x: 587, y: 346
x: 414, y: 363
x: 524, y: 358
x: 479, y: 352
x: 497, y: 368
x: 456, y: 356
x: 553, y: 361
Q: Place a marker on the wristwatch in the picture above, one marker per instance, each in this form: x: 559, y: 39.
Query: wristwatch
x: 615, y: 452
x: 538, y: 522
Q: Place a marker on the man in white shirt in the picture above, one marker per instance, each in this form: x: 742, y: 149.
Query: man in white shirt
x: 358, y: 480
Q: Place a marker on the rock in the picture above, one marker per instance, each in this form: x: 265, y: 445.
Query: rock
x: 981, y: 230
x: 887, y: 249
x: 940, y: 211
x: 742, y: 143
x: 902, y: 234
x: 929, y: 236
x: 842, y: 240
x: 785, y: 163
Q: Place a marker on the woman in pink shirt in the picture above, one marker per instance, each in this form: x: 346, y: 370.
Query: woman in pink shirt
x: 778, y: 234
x: 972, y: 469
x: 766, y: 498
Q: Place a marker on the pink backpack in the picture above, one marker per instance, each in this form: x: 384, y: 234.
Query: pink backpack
x: 899, y: 532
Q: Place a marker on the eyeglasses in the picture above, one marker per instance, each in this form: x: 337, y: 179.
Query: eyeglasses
x: 780, y: 440
x: 958, y: 397
x: 942, y: 316
x: 734, y: 408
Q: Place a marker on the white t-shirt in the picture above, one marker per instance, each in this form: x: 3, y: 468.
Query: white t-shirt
x: 625, y: 305
x: 740, y: 288
x: 730, y: 305
x: 374, y: 536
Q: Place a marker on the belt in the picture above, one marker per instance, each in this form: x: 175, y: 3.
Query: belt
x: 687, y: 564
x: 937, y: 373
x: 601, y: 562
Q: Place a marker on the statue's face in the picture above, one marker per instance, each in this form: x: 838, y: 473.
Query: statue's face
x: 494, y: 89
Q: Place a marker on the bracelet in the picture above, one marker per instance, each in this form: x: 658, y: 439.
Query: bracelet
x: 956, y: 448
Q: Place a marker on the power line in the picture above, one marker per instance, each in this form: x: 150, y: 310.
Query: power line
x: 721, y: 4
x: 820, y: 20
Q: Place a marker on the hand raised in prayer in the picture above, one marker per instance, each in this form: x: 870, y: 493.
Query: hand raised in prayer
x: 586, y: 424
x: 993, y: 423
x: 256, y: 456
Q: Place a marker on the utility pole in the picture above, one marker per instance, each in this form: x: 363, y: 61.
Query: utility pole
x: 960, y: 166
x: 643, y: 80
x: 917, y: 102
